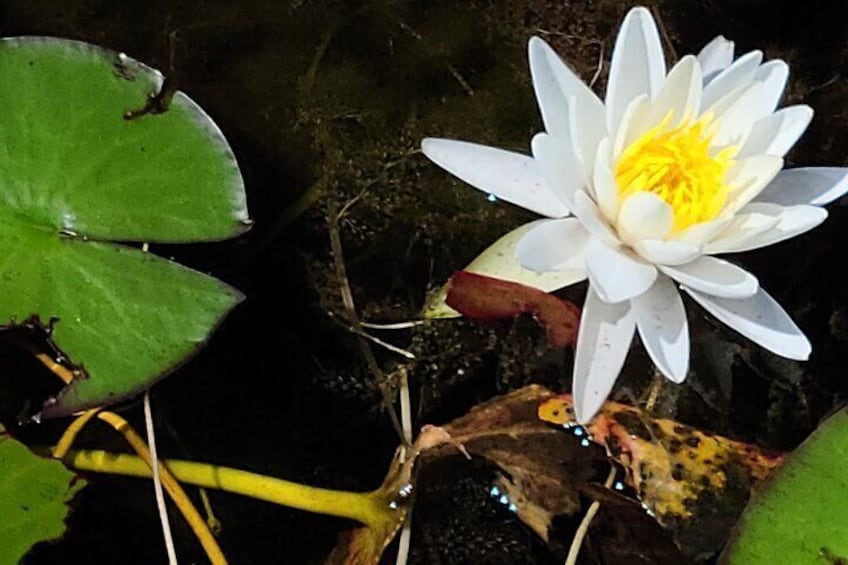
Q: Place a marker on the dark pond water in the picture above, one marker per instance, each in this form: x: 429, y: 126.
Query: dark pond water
x: 324, y: 101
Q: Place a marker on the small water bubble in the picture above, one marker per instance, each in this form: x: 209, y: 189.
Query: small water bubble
x: 618, y: 485
x: 495, y: 492
x: 578, y: 431
x: 393, y: 505
x: 460, y: 372
x: 492, y: 198
x: 512, y: 507
x: 584, y: 442
x: 503, y: 499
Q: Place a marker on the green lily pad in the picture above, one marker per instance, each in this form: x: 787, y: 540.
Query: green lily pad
x: 84, y: 165
x: 801, y: 515
x: 33, y: 498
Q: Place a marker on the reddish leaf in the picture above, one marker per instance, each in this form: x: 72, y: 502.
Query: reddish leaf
x: 485, y: 298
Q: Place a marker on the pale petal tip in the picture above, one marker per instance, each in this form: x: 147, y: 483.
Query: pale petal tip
x: 797, y: 349
x: 679, y: 372
x: 536, y: 43
x: 807, y: 112
x: 584, y: 412
x: 428, y: 145
x: 639, y: 12
x: 836, y: 190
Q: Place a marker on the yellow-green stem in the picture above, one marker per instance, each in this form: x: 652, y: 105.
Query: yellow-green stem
x: 369, y: 508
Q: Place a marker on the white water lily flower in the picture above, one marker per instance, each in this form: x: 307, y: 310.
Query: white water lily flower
x: 669, y: 170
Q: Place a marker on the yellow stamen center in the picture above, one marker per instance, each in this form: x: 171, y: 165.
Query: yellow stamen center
x: 676, y: 164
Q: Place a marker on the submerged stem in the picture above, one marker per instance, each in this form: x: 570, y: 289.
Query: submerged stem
x: 178, y: 495
x: 368, y: 508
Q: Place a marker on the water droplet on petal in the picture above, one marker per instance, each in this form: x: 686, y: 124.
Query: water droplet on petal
x: 492, y: 198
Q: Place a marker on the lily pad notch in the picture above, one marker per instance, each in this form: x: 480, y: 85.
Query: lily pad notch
x: 84, y: 174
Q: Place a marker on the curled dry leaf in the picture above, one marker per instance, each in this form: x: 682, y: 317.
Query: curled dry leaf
x: 534, y: 461
x: 485, y: 298
x: 694, y: 483
x: 538, y: 471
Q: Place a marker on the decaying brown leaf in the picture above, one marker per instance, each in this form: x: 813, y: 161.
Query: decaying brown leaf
x: 533, y: 457
x: 694, y: 483
x: 535, y: 462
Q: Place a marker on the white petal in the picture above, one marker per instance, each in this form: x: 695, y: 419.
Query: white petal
x: 633, y: 124
x: 615, y: 274
x: 749, y: 177
x: 715, y: 57
x: 761, y: 319
x: 714, y: 276
x: 749, y: 222
x: 644, y: 216
x: 554, y: 84
x: 698, y: 234
x: 737, y: 119
x: 666, y: 252
x: 554, y: 245
x: 587, y: 131
x: 720, y: 106
x: 510, y: 176
x: 637, y: 66
x: 559, y: 165
x: 773, y: 75
x: 605, y: 187
x: 806, y: 185
x: 777, y: 133
x: 680, y: 94
x: 553, y: 103
x: 662, y: 324
x: 603, y: 340
x: 588, y: 213
x: 500, y: 260
x: 740, y: 73
x: 789, y: 222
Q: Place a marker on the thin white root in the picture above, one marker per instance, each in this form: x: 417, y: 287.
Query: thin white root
x: 157, y: 482
x: 405, y: 537
x: 393, y: 348
x: 406, y: 423
x: 394, y: 326
x: 583, y: 529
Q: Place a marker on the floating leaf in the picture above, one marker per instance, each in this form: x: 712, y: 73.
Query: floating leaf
x: 543, y: 472
x: 500, y: 261
x: 536, y: 462
x: 484, y: 298
x: 33, y: 498
x: 77, y: 174
x: 694, y: 483
x: 800, y: 515
x: 505, y: 431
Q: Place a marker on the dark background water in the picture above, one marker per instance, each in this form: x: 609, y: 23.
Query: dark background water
x: 324, y: 101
